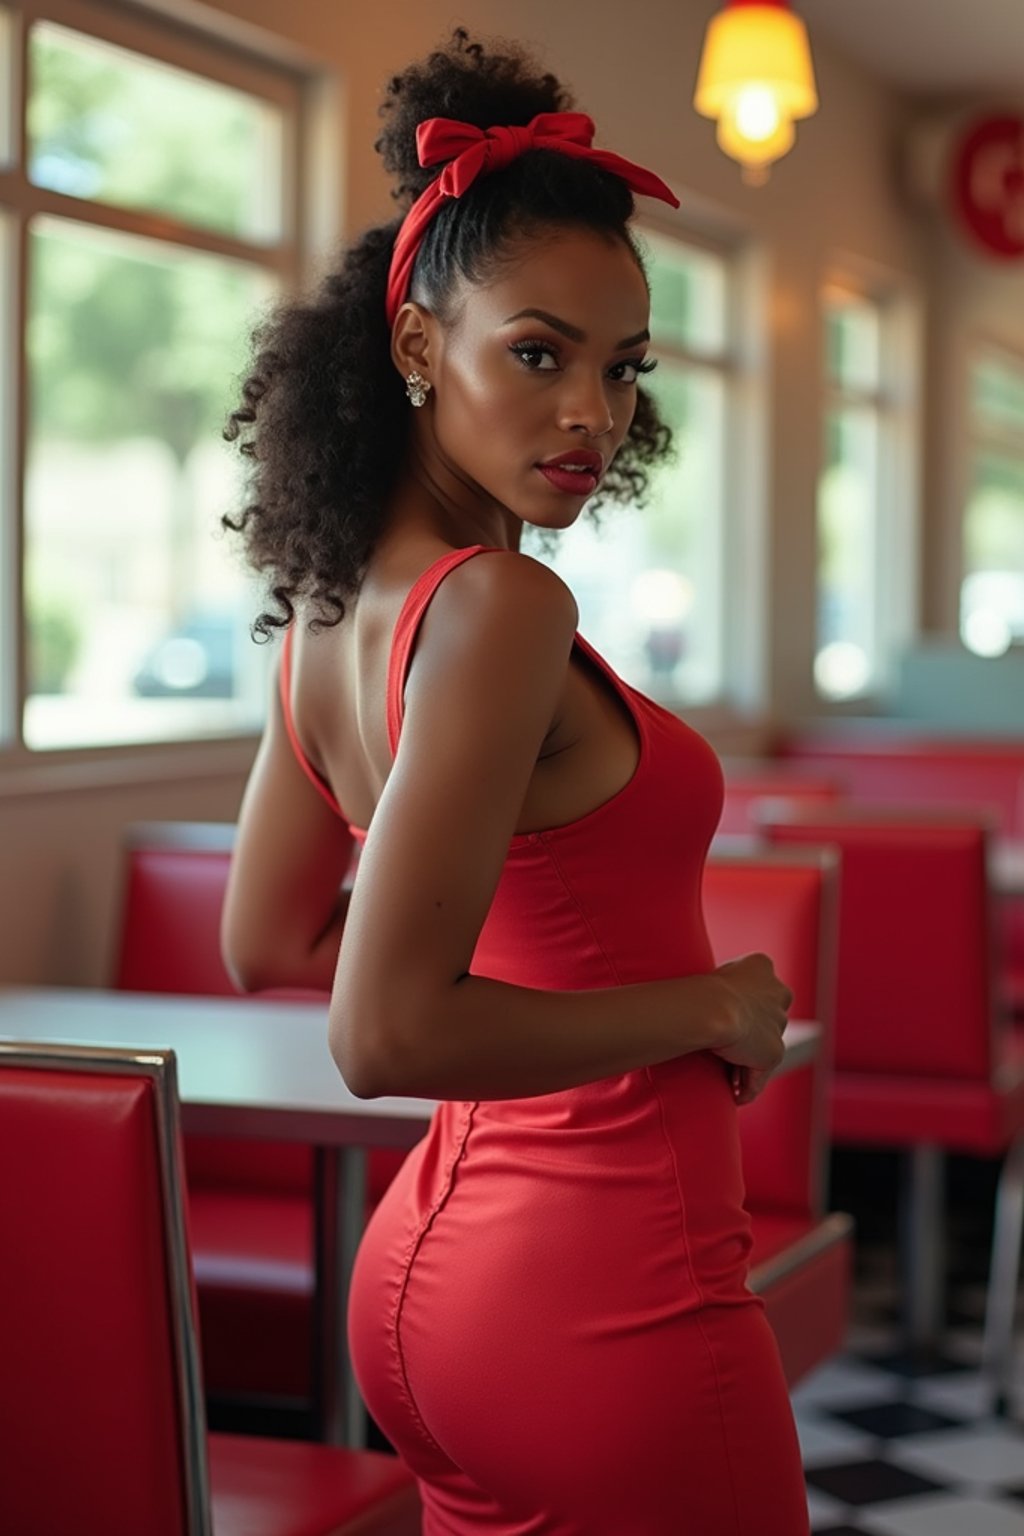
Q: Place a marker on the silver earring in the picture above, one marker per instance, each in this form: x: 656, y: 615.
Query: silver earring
x: 417, y: 388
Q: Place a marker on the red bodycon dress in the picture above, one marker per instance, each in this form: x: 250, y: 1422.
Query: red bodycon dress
x: 549, y: 1315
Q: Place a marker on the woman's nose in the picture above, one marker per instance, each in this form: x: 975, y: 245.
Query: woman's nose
x: 584, y: 406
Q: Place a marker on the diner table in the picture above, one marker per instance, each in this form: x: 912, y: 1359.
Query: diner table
x: 257, y: 1068
x: 1006, y: 867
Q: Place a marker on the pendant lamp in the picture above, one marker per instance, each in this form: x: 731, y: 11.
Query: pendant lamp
x: 756, y: 77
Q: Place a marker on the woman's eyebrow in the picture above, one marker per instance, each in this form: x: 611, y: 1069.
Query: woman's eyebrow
x: 572, y: 332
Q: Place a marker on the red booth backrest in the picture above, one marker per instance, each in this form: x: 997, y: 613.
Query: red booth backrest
x: 170, y: 934
x: 915, y: 948
x: 766, y: 904
x: 89, y: 1438
x: 786, y: 909
x: 921, y: 771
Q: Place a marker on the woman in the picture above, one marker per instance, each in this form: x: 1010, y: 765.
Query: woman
x: 549, y: 1315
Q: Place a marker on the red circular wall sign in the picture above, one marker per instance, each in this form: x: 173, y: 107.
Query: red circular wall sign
x: 987, y: 184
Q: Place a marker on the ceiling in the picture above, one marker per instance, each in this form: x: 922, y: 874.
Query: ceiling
x: 928, y: 47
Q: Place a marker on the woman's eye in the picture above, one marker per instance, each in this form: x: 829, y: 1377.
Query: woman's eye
x: 630, y: 371
x: 535, y: 356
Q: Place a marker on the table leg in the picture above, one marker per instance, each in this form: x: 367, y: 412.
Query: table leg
x: 1004, y: 1277
x: 340, y: 1216
x: 924, y: 1245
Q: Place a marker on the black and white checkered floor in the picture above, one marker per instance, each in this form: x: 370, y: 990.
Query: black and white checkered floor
x: 897, y: 1448
x: 890, y: 1454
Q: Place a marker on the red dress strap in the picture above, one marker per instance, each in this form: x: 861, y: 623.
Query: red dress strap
x: 407, y: 627
x: 285, y: 685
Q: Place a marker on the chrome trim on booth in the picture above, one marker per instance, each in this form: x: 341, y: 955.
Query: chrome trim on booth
x: 190, y: 1388
x: 833, y: 1229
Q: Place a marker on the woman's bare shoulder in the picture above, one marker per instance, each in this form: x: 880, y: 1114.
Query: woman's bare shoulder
x: 493, y: 646
x: 504, y: 590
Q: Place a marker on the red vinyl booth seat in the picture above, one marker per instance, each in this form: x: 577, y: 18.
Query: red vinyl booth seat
x: 251, y: 1202
x: 925, y: 1058
x: 101, y: 1410
x: 783, y: 904
x: 883, y: 766
x: 916, y: 1003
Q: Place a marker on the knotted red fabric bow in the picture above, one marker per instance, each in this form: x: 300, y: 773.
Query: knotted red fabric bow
x: 474, y: 152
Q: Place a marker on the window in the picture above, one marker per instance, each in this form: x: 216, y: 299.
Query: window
x: 146, y: 261
x: 648, y: 580
x: 992, y: 589
x: 865, y: 507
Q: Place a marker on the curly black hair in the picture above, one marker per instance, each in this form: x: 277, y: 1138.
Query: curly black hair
x: 323, y: 419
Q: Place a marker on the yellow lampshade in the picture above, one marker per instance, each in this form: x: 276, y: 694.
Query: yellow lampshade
x: 755, y: 77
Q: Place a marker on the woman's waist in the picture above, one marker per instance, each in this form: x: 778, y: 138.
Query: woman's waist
x: 677, y: 1119
x: 667, y: 1095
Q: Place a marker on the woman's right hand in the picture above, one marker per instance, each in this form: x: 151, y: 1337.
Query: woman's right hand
x: 759, y: 1003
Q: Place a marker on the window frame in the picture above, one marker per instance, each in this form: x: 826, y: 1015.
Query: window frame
x: 1008, y: 441
x: 295, y: 90
x: 739, y: 364
x: 979, y: 439
x: 896, y: 512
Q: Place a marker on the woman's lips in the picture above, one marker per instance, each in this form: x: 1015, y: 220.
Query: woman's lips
x: 572, y: 482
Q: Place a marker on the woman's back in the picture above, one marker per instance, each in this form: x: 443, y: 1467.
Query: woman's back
x: 337, y: 681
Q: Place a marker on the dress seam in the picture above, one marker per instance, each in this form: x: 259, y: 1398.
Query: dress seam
x: 410, y: 1259
x: 583, y: 913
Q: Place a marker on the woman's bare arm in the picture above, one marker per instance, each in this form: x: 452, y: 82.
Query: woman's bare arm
x: 285, y: 907
x: 406, y: 1017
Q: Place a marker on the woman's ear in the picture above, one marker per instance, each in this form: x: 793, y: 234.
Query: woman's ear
x: 414, y: 341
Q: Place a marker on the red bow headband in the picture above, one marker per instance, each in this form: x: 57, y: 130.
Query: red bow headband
x: 474, y: 152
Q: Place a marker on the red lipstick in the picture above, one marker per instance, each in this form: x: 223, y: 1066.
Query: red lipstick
x: 575, y: 473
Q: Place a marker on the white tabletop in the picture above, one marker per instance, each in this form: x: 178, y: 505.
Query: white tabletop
x: 248, y: 1067
x: 245, y: 1067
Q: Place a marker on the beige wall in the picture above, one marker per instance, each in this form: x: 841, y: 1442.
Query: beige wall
x: 632, y: 68
x: 60, y: 870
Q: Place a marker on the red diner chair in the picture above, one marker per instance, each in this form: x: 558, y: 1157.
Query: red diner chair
x: 885, y: 762
x: 251, y: 1202
x: 102, y: 1420
x: 783, y: 903
x: 925, y: 1060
